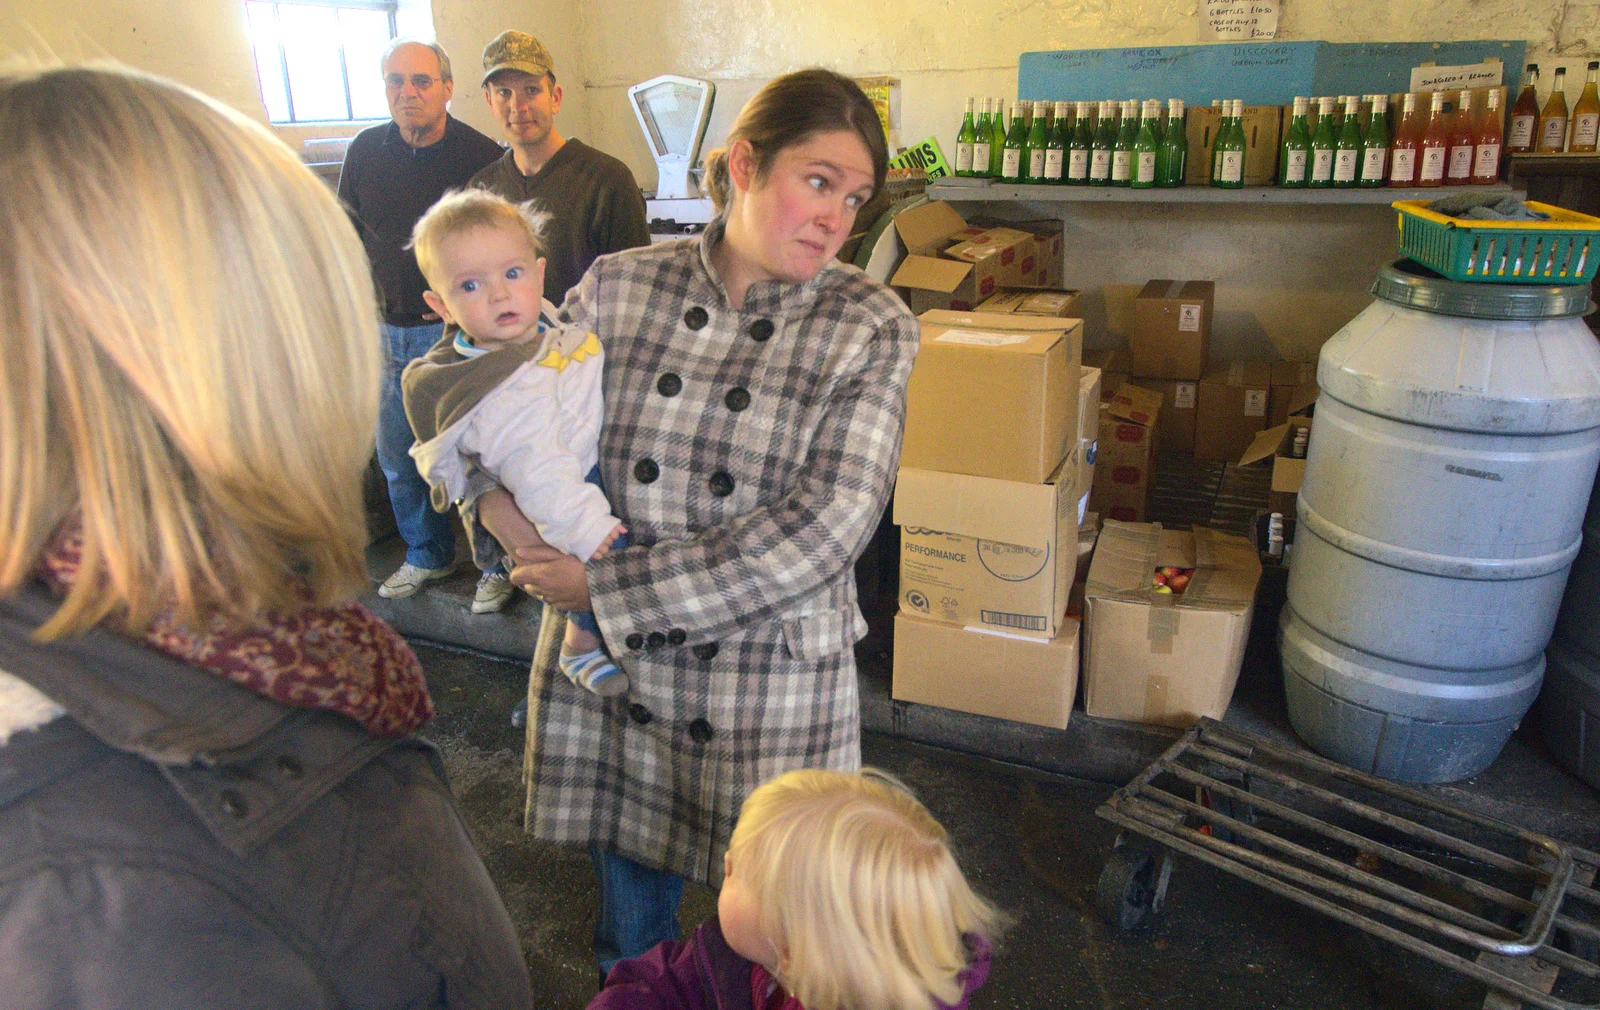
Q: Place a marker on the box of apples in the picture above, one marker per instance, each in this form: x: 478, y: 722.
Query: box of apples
x: 1171, y: 579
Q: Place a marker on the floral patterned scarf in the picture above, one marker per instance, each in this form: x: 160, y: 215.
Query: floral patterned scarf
x: 342, y: 658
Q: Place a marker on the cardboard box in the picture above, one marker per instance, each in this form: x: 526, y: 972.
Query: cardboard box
x: 927, y: 278
x: 1294, y: 388
x: 1088, y: 534
x: 1008, y: 254
x: 1049, y: 251
x: 987, y: 553
x: 1125, y: 454
x: 1088, y: 428
x: 1277, y: 444
x: 1232, y: 408
x: 1052, y: 303
x: 993, y: 395
x: 1113, y: 365
x: 1163, y: 659
x: 1170, y: 337
x: 988, y: 673
x: 1262, y: 132
x: 1179, y: 407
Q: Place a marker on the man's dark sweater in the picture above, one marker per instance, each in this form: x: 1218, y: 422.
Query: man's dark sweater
x: 387, y: 184
x: 594, y: 204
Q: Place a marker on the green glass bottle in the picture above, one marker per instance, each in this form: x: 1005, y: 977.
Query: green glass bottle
x: 1100, y: 151
x: 1224, y: 125
x: 1145, y: 146
x: 1122, y: 151
x: 1012, y: 163
x: 1055, y: 150
x: 964, y: 138
x: 1038, y: 140
x: 1294, y: 155
x: 1323, y: 146
x: 1375, y: 145
x: 1173, y: 154
x: 1078, y: 147
x: 1347, y: 152
x: 982, y: 135
x: 1231, y: 149
x: 997, y: 137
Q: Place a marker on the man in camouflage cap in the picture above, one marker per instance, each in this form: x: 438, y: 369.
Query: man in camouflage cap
x: 595, y: 203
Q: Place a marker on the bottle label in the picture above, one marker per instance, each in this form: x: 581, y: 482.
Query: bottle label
x: 1052, y: 164
x: 1036, y: 164
x: 1322, y: 166
x: 1078, y: 164
x: 1232, y: 166
x: 1373, y: 161
x: 1521, y: 131
x: 1460, y: 162
x: 1433, y: 164
x: 1011, y: 167
x: 1487, y: 165
x: 1100, y: 165
x: 1121, y: 165
x: 963, y: 157
x: 1585, y: 129
x: 1344, y: 165
x: 1294, y: 166
x: 1404, y: 167
x: 1147, y: 166
x: 980, y: 156
x: 1553, y: 135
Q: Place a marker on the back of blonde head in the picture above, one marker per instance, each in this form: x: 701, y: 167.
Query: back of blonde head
x: 858, y: 890
x: 188, y: 354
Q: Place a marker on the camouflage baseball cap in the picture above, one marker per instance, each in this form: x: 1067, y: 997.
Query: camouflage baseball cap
x: 514, y: 50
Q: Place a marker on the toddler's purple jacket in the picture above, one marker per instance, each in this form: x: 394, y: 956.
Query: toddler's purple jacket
x: 704, y: 973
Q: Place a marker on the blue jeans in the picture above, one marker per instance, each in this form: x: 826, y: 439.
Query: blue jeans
x: 638, y: 908
x: 583, y: 618
x: 430, y: 536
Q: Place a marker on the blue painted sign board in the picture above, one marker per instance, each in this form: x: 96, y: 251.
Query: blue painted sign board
x: 1261, y: 73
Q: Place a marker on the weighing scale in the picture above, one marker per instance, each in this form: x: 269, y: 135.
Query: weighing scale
x: 673, y: 112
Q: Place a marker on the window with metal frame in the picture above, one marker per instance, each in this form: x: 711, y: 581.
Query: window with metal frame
x: 318, y: 59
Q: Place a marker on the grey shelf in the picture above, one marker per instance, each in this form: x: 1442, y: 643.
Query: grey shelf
x: 1026, y: 193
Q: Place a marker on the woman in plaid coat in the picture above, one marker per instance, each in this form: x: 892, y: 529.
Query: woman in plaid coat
x: 755, y: 397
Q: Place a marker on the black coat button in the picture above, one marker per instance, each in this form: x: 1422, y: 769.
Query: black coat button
x: 646, y: 471
x: 634, y: 642
x: 706, y: 653
x: 721, y: 484
x: 761, y: 330
x: 700, y: 731
x: 233, y: 804
x: 737, y: 399
x: 656, y: 640
x: 669, y: 385
x: 639, y: 714
x: 290, y: 767
x: 696, y: 318
x: 677, y: 636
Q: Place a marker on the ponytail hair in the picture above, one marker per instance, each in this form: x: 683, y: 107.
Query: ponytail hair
x: 791, y: 110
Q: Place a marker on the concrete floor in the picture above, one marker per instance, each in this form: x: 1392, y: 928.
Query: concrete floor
x: 1031, y: 843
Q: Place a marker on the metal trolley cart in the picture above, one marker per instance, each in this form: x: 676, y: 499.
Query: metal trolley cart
x: 1507, y: 907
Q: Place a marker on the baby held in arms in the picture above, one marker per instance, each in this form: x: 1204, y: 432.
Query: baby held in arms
x: 514, y: 392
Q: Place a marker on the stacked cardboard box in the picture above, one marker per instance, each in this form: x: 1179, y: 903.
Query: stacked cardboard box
x: 950, y: 264
x: 1288, y: 471
x: 1125, y: 453
x: 1232, y: 408
x: 1168, y: 345
x: 1294, y: 388
x: 988, y: 503
x: 1113, y: 365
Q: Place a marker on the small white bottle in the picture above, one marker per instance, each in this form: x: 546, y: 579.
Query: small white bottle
x: 1302, y: 438
x: 1275, y: 534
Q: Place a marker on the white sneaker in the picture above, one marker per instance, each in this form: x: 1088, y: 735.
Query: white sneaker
x: 494, y: 592
x: 408, y: 578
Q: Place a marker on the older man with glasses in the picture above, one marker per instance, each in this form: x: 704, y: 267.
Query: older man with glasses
x: 392, y: 174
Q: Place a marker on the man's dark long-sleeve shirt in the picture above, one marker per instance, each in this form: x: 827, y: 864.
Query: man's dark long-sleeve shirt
x: 387, y: 184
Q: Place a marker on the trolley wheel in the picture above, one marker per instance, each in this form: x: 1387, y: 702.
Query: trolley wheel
x: 1128, y: 887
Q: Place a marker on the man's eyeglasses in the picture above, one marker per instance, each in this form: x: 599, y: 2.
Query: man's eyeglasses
x: 422, y: 82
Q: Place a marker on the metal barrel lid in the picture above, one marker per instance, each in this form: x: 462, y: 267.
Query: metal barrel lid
x: 1414, y: 286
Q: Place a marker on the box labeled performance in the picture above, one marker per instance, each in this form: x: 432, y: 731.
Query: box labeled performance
x: 987, y: 553
x: 1162, y: 658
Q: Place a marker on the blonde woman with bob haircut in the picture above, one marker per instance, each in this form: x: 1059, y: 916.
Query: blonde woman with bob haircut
x: 212, y: 791
x: 840, y: 893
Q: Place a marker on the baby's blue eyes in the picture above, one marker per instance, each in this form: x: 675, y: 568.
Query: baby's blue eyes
x: 469, y: 286
x: 513, y: 273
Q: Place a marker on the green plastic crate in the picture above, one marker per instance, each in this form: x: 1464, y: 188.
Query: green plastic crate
x: 1562, y: 250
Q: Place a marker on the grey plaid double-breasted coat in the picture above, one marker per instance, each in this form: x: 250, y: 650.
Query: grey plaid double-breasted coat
x: 750, y: 453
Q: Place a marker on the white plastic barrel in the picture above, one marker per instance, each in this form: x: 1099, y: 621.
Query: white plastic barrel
x: 1455, y: 446
x: 1569, y: 706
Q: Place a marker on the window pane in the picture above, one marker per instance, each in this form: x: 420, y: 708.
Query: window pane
x: 311, y: 46
x: 365, y: 34
x: 264, y: 36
